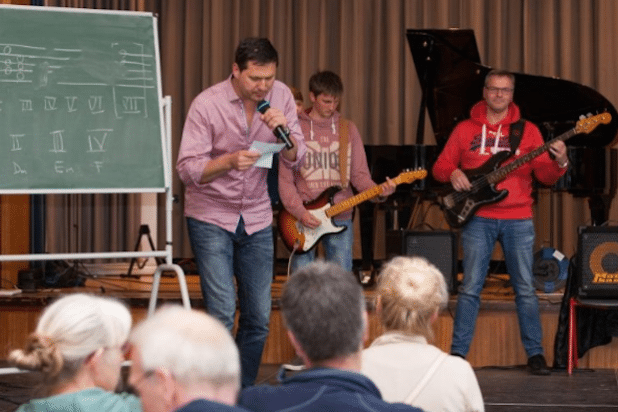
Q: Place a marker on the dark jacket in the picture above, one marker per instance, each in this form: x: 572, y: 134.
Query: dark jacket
x: 201, y: 405
x: 320, y: 389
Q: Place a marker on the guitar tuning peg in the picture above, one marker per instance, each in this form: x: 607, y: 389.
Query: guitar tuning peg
x: 582, y: 117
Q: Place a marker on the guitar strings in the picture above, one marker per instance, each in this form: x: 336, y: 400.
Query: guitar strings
x: 478, y: 184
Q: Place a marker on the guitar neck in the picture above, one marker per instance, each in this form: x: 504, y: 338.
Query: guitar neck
x: 353, y: 201
x: 362, y: 197
x: 500, y: 173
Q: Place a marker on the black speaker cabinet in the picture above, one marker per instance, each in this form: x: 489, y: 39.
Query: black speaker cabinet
x: 598, y: 262
x: 438, y: 247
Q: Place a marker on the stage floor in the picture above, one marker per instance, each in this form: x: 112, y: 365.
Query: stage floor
x: 496, y: 342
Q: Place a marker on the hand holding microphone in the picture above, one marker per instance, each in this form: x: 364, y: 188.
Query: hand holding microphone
x: 282, y: 133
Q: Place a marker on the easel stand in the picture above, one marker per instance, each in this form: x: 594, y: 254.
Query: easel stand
x: 144, y: 230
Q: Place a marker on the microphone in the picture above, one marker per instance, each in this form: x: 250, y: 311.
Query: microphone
x: 279, y: 131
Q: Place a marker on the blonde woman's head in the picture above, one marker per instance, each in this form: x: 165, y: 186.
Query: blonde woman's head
x: 411, y: 292
x: 70, y: 331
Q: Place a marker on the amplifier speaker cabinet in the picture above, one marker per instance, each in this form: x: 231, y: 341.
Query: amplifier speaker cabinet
x: 438, y: 247
x: 598, y: 262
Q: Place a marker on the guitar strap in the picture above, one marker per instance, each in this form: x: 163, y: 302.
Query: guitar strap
x: 515, y: 133
x: 344, y: 132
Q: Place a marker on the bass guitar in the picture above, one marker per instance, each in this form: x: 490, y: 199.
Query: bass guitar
x: 301, y: 238
x: 459, y: 207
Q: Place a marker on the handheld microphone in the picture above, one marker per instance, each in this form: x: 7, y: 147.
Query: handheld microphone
x: 279, y: 131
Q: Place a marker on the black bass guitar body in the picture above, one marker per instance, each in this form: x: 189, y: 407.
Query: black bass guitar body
x: 459, y: 207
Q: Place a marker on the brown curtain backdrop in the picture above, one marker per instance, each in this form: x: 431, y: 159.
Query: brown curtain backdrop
x: 364, y: 41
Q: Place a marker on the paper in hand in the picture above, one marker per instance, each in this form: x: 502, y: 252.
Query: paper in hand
x: 267, y: 150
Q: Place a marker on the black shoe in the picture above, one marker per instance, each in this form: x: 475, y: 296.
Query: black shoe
x: 537, y: 365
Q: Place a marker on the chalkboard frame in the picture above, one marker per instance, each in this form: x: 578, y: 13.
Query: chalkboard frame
x: 165, y: 118
x: 163, y: 166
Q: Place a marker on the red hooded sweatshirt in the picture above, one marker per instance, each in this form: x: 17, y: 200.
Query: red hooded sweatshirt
x: 475, y: 140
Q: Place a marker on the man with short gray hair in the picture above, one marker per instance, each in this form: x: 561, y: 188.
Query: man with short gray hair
x: 324, y: 310
x: 184, y: 361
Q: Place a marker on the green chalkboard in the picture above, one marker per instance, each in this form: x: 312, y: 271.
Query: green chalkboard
x: 80, y: 101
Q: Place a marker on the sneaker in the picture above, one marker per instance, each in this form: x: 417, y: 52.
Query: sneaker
x: 537, y: 365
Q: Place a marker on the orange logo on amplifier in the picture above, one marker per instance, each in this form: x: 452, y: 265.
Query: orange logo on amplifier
x: 596, y: 263
x: 605, y: 277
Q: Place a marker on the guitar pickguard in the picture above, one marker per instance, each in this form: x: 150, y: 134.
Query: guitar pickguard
x: 312, y: 236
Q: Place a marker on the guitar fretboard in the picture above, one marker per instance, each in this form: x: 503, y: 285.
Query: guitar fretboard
x: 500, y: 173
x: 371, y: 193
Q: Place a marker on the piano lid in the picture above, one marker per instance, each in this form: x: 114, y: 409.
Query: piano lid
x: 448, y: 66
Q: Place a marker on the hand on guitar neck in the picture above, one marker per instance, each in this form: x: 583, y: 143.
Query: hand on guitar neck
x: 388, y: 188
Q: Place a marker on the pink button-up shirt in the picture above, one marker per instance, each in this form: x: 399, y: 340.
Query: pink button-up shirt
x: 216, y: 124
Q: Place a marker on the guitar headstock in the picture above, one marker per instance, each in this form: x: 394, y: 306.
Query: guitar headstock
x: 590, y: 123
x: 410, y: 176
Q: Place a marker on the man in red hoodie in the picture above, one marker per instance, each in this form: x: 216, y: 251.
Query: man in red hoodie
x: 509, y: 220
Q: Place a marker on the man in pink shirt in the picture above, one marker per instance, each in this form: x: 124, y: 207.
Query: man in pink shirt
x: 227, y: 206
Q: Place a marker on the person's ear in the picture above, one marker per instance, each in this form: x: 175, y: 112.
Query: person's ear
x: 235, y: 71
x: 434, y: 317
x: 365, y: 327
x: 379, y: 305
x: 94, y: 358
x: 168, y: 388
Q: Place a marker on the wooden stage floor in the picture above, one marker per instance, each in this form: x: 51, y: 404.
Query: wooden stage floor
x: 496, y: 341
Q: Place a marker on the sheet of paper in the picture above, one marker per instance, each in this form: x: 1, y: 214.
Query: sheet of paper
x: 267, y: 150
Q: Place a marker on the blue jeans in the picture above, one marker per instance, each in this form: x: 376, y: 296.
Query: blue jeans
x: 220, y: 256
x: 337, y: 249
x: 517, y: 240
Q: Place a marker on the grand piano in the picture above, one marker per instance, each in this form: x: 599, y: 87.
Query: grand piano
x: 451, y: 76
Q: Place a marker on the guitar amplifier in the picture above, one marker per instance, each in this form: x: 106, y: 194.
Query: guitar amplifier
x: 439, y: 247
x: 598, y: 262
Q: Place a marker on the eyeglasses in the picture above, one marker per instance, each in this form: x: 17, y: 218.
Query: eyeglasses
x: 503, y: 90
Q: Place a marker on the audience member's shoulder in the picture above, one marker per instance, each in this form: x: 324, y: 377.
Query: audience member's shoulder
x: 399, y: 406
x: 201, y: 405
x: 458, y: 362
x: 253, y: 394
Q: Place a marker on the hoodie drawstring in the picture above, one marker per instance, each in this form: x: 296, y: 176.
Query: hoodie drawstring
x: 494, y: 150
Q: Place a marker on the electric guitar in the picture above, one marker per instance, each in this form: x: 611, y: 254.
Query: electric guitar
x: 459, y: 207
x: 297, y: 236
